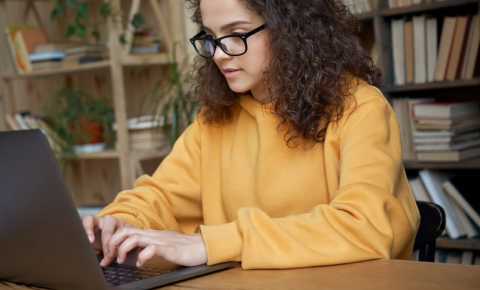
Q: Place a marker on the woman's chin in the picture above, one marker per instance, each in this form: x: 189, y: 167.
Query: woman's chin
x: 238, y: 88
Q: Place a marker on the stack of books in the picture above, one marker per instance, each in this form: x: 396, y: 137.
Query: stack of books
x: 422, y: 53
x: 145, y: 42
x: 446, y: 131
x: 146, y: 133
x: 438, y: 131
x: 76, y: 55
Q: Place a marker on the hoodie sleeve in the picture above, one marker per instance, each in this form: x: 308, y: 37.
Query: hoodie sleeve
x: 170, y: 199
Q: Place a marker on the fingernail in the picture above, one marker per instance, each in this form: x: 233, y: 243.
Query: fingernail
x: 119, y: 261
x: 138, y: 264
x: 91, y: 238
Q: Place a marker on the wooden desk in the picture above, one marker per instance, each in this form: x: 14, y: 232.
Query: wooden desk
x: 374, y: 275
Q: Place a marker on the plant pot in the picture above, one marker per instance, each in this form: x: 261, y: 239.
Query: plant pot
x: 86, y: 131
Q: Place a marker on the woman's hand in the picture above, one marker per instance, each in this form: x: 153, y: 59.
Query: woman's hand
x: 100, y: 231
x: 180, y: 249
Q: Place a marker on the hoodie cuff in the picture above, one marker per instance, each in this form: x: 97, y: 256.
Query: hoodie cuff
x: 223, y: 242
x: 127, y: 218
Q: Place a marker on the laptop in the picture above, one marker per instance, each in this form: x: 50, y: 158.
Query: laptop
x: 42, y: 240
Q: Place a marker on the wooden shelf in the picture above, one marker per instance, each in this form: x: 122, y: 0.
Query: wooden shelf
x: 107, y: 154
x: 400, y: 11
x: 45, y: 73
x: 433, y: 86
x: 460, y: 244
x: 113, y: 154
x: 147, y: 59
x: 150, y: 154
x: 467, y: 164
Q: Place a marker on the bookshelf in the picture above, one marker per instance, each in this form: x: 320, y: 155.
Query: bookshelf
x: 379, y: 22
x: 99, y: 65
x: 474, y: 83
x: 462, y: 244
x: 427, y: 7
x: 118, y: 167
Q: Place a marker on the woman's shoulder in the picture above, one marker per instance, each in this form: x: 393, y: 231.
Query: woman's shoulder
x: 362, y: 93
x: 364, y: 99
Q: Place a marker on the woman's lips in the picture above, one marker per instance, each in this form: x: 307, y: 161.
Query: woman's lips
x: 229, y: 72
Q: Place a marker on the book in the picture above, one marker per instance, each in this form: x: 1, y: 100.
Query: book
x: 419, y: 190
x: 433, y: 181
x: 398, y: 47
x: 446, y: 110
x: 457, y: 48
x: 467, y: 258
x: 18, y: 49
x: 468, y: 123
x: 466, y: 225
x: 454, y: 139
x: 454, y: 257
x: 439, y: 134
x: 444, y: 50
x: 447, y: 146
x: 432, y: 49
x: 472, y: 50
x: 46, y: 65
x: 420, y: 50
x: 400, y: 106
x: 449, y: 156
x: 409, y: 52
x: 46, y: 56
x: 451, y: 190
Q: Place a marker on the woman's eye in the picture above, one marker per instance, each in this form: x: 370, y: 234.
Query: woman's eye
x: 238, y: 31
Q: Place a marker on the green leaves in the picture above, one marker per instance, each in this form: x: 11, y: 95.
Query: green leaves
x: 138, y: 20
x: 58, y: 10
x: 82, y: 12
x: 105, y: 9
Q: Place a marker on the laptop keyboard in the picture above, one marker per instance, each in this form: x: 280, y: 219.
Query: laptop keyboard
x: 118, y: 274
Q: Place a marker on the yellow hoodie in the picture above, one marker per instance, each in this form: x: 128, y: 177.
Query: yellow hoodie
x: 258, y: 201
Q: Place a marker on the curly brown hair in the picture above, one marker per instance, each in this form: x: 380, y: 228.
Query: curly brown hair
x: 315, y: 53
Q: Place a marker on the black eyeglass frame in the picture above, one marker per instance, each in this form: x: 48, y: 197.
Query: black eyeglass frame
x: 202, y: 35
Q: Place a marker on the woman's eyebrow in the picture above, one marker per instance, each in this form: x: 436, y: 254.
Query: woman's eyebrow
x: 228, y: 26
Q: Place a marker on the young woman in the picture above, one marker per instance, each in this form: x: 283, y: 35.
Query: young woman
x: 294, y: 160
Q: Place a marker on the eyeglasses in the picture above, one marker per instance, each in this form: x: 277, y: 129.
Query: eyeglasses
x: 233, y: 44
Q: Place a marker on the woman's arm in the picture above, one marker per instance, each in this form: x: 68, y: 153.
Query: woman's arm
x: 170, y: 199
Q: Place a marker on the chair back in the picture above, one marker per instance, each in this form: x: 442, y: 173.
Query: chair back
x: 432, y: 225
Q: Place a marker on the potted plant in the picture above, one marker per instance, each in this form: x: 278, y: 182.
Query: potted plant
x: 84, y: 122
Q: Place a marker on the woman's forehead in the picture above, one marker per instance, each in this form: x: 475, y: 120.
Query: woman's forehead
x: 218, y: 13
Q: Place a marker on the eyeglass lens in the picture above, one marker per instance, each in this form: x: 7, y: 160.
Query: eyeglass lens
x: 232, y: 45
